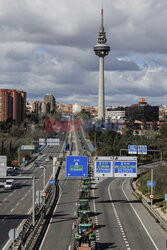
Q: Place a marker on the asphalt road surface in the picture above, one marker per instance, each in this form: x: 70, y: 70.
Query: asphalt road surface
x: 16, y: 203
x: 123, y: 222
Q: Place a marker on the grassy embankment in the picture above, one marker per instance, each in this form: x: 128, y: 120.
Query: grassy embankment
x: 160, y: 178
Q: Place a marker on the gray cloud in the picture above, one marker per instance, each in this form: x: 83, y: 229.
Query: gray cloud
x: 47, y: 46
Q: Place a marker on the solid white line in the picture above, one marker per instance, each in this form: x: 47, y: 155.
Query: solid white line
x: 139, y: 217
x: 50, y: 220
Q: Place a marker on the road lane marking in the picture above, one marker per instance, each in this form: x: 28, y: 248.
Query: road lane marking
x: 51, y: 220
x: 117, y: 218
x: 139, y: 217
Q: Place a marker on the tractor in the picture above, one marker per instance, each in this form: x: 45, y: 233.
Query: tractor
x: 85, y: 237
x: 84, y: 192
x: 83, y: 204
x: 84, y: 216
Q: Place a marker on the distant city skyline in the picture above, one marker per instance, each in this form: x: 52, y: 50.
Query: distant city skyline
x: 46, y: 47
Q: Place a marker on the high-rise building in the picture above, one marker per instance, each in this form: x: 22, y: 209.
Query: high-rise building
x: 142, y: 112
x: 50, y: 99
x: 45, y: 107
x: 101, y: 49
x: 12, y: 104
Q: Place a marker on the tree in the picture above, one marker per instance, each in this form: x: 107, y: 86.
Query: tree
x: 163, y: 132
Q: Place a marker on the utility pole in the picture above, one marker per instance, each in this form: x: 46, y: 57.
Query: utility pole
x: 19, y: 156
x: 151, y: 186
x: 44, y: 178
x: 33, y: 201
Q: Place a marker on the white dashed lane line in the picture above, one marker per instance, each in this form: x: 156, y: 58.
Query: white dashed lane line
x: 118, y: 221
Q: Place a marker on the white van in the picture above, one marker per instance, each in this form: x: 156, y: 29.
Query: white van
x: 9, y: 184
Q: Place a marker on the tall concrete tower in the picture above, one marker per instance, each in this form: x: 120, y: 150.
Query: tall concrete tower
x: 101, y: 49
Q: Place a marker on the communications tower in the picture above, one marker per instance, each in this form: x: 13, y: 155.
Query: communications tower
x: 101, y: 49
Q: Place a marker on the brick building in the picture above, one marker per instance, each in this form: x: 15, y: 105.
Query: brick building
x: 12, y: 104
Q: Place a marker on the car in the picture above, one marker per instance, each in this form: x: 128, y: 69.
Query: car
x: 50, y: 157
x: 36, y: 164
x: 42, y: 166
x: 47, y: 159
x: 9, y: 184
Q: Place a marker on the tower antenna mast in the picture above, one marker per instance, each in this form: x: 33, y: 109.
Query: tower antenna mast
x: 101, y: 49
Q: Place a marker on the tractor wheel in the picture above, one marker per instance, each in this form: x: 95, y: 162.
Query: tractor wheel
x: 93, y: 245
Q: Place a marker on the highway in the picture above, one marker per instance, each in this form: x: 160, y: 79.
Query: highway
x: 122, y: 221
x: 16, y: 204
x: 62, y: 223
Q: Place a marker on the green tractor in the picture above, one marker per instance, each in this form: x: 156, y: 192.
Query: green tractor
x: 84, y: 192
x: 83, y: 204
x: 85, y: 237
x: 84, y: 216
x: 86, y: 181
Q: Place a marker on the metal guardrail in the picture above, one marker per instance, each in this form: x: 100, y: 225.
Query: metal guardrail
x: 153, y: 212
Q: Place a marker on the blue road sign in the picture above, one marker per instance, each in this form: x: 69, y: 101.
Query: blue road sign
x: 132, y: 149
x: 165, y: 197
x: 142, y: 149
x: 125, y: 168
x: 76, y: 166
x: 51, y: 181
x: 103, y: 168
x: 149, y: 183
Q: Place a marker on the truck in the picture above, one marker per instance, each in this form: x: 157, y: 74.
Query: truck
x: 9, y: 184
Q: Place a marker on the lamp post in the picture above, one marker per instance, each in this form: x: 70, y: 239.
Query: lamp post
x: 44, y: 176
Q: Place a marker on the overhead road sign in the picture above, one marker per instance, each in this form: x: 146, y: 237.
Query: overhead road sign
x: 132, y: 149
x: 125, y: 166
x: 76, y: 166
x: 149, y: 183
x: 103, y: 166
x: 41, y: 141
x: 53, y: 141
x: 142, y: 149
x: 3, y: 165
x: 27, y: 147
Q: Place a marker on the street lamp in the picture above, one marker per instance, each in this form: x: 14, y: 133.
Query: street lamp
x: 44, y: 176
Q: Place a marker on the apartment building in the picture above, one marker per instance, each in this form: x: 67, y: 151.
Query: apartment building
x: 12, y: 104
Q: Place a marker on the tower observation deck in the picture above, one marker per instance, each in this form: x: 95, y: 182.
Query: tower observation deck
x: 101, y: 49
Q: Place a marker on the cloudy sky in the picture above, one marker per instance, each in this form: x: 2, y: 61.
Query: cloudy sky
x: 46, y: 46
